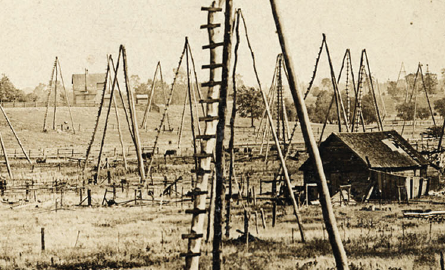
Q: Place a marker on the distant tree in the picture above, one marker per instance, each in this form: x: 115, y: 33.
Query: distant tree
x: 393, y: 90
x: 410, y: 80
x: 135, y: 81
x: 249, y: 103
x: 431, y: 83
x: 326, y: 83
x: 141, y: 89
x: 439, y: 106
x: 406, y: 111
x: 442, y: 81
x: 368, y: 109
x: 31, y: 97
x: 422, y: 113
x: 40, y: 92
x: 315, y: 91
x: 319, y: 112
x: 8, y: 92
x: 291, y: 112
x: 430, y: 79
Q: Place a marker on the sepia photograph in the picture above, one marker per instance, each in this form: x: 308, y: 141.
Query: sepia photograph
x: 222, y: 134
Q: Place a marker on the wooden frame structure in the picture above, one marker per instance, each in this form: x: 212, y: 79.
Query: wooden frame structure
x: 57, y: 71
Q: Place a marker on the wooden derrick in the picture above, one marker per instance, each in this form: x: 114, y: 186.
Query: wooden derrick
x: 165, y: 115
x: 275, y: 137
x: 131, y: 116
x: 56, y: 70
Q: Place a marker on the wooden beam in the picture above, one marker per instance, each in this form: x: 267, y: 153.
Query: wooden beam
x: 132, y: 110
x: 219, y: 149
x: 325, y: 200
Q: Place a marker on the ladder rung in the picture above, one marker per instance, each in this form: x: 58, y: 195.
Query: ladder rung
x: 212, y: 25
x: 211, y: 9
x: 205, y: 136
x: 192, y: 236
x: 196, y: 211
x: 201, y: 171
x: 212, y: 100
x: 203, y: 155
x: 212, y: 66
x: 213, y: 45
x: 208, y: 118
x: 190, y: 254
x: 210, y: 83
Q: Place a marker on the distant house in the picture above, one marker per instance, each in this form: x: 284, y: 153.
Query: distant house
x: 87, y: 88
x: 374, y: 164
x: 142, y: 99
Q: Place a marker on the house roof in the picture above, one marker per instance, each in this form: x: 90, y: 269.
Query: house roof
x: 380, y: 150
x: 78, y: 81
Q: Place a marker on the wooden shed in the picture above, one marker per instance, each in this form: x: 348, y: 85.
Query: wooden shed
x: 381, y: 164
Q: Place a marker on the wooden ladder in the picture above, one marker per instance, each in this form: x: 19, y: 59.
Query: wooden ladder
x: 207, y: 142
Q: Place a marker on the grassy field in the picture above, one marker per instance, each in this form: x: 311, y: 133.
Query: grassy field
x: 146, y: 233
x: 149, y: 237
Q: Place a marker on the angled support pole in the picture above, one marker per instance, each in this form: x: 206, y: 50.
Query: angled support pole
x: 325, y: 200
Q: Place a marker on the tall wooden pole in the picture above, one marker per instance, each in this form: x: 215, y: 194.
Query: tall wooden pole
x: 181, y: 128
x: 132, y: 110
x: 121, y: 139
x: 15, y: 134
x: 275, y: 137
x: 90, y: 145
x: 153, y: 84
x: 325, y: 200
x: 283, y: 165
x: 50, y: 89
x: 66, y: 97
x: 376, y: 105
x: 219, y: 150
x: 6, y: 157
x: 55, y: 99
x: 102, y: 143
x: 189, y: 94
x: 232, y: 124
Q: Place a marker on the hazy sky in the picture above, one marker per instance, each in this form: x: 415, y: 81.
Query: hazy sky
x: 82, y: 32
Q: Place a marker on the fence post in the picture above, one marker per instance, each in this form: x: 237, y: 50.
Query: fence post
x: 42, y: 234
x: 89, y: 197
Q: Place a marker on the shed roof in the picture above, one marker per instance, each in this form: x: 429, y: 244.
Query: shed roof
x: 380, y: 150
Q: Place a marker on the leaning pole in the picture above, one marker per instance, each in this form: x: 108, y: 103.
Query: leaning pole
x: 311, y: 144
